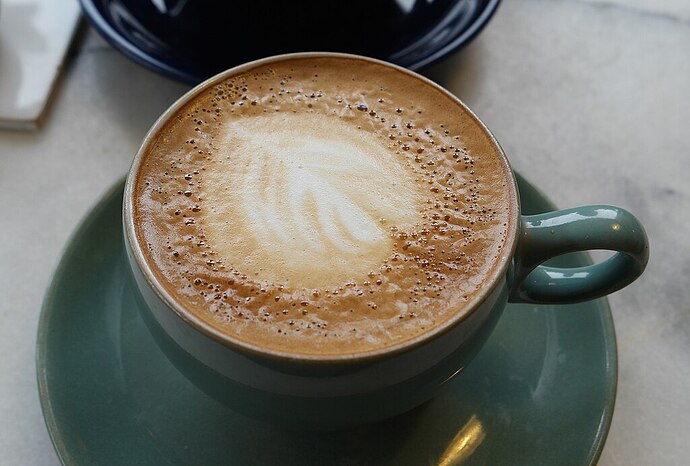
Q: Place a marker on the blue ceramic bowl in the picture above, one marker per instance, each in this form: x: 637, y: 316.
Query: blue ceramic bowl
x: 194, y: 40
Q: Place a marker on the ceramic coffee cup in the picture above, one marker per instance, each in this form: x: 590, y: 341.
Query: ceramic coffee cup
x: 349, y: 387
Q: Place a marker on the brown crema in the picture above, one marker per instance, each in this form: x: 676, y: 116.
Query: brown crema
x: 323, y: 206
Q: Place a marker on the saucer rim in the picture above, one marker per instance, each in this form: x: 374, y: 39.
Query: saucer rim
x: 93, y: 214
x: 118, y: 41
x: 71, y: 244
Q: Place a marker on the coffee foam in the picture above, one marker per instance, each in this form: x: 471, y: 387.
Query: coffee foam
x: 322, y: 206
x: 305, y: 200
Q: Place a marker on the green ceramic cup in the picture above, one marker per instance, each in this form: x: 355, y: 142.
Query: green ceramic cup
x: 344, y: 390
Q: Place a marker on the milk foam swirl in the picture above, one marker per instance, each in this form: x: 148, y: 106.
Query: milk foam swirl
x: 305, y: 199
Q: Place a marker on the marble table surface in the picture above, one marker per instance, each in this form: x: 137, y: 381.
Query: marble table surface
x: 590, y: 100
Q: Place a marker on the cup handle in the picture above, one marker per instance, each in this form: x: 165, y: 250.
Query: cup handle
x: 551, y: 234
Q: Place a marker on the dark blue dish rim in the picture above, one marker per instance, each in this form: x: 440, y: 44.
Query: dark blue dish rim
x: 412, y: 56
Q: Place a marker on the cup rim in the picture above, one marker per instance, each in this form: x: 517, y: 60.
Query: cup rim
x: 492, y: 281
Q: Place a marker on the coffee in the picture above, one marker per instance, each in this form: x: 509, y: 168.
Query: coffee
x: 323, y: 206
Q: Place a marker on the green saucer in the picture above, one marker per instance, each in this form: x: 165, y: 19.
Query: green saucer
x: 541, y: 391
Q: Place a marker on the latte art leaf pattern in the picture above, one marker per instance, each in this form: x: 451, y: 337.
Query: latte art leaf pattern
x: 315, y: 195
x: 322, y: 204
